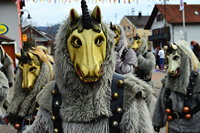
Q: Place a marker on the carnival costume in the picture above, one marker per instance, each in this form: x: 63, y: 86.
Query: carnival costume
x: 79, y: 99
x: 3, y: 91
x: 146, y: 59
x: 8, y: 67
x: 178, y: 104
x: 126, y: 58
x: 35, y: 70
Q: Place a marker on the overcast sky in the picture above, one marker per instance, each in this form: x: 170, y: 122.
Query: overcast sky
x: 49, y: 13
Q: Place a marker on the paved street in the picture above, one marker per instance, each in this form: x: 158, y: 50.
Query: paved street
x: 156, y: 78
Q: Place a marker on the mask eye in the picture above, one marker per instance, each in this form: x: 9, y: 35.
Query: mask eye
x: 116, y: 36
x: 176, y: 57
x: 32, y: 69
x: 99, y: 40
x: 76, y: 42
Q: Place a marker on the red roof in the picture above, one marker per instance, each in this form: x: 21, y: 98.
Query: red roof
x: 5, y: 39
x: 174, y: 16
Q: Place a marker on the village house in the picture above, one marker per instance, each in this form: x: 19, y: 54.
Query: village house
x: 135, y: 25
x: 166, y: 24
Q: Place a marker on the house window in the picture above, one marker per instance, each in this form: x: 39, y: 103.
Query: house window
x: 160, y: 17
x: 156, y: 31
x: 129, y: 28
x: 28, y: 35
x: 124, y: 28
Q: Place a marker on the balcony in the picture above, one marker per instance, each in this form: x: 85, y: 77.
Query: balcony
x: 162, y: 36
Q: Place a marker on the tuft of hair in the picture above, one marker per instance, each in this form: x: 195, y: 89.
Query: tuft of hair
x: 185, y: 48
x: 42, y: 53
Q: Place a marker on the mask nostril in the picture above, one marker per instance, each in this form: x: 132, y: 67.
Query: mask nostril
x: 79, y: 70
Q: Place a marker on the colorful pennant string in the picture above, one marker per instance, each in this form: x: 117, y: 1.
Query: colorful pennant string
x: 92, y: 1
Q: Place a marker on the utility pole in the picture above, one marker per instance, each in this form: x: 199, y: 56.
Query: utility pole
x: 165, y: 25
x: 184, y: 31
x: 182, y: 8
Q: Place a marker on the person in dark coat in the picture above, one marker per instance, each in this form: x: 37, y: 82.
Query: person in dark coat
x: 196, y: 49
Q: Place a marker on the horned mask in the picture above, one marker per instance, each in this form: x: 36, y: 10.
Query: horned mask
x: 29, y: 65
x: 87, y: 47
x: 117, y: 32
x: 137, y: 43
x: 174, y: 60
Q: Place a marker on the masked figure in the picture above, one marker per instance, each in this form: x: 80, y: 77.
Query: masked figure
x: 126, y: 58
x: 146, y: 64
x: 35, y: 70
x: 146, y: 59
x: 178, y: 104
x: 7, y: 68
x: 80, y: 99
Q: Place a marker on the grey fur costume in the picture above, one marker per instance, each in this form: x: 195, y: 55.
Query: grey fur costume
x: 23, y: 103
x: 146, y: 62
x: 8, y: 69
x: 178, y: 87
x: 3, y: 90
x: 83, y: 102
x: 128, y: 63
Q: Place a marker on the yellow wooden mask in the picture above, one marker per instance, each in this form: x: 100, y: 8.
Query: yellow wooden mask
x: 136, y: 44
x: 30, y: 69
x: 117, y: 32
x: 87, y: 49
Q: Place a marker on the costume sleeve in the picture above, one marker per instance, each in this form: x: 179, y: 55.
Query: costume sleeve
x: 136, y: 118
x: 42, y: 123
x: 18, y: 96
x: 146, y: 63
x: 127, y: 63
x: 9, y: 70
x: 159, y: 114
x: 3, y: 86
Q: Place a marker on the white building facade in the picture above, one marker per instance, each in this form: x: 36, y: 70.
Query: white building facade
x: 167, y: 24
x: 9, y: 17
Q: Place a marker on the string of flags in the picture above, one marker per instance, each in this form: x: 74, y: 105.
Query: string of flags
x: 93, y: 1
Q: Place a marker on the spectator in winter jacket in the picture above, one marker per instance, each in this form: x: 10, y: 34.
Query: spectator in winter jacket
x: 196, y: 48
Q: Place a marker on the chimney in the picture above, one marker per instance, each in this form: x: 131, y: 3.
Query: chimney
x: 139, y: 14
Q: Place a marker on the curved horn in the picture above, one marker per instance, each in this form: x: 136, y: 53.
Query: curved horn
x: 174, y: 46
x: 166, y: 47
x: 24, y: 58
x: 86, y: 19
x: 111, y: 26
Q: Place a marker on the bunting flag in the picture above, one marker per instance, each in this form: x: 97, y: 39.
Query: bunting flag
x: 181, y: 5
x: 98, y: 1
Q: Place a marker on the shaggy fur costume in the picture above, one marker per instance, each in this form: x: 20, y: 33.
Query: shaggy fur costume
x: 178, y: 87
x: 3, y: 90
x: 146, y: 62
x: 8, y: 69
x: 126, y: 62
x: 23, y: 103
x: 85, y: 107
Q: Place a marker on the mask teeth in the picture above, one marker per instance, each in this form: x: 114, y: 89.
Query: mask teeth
x: 86, y: 19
